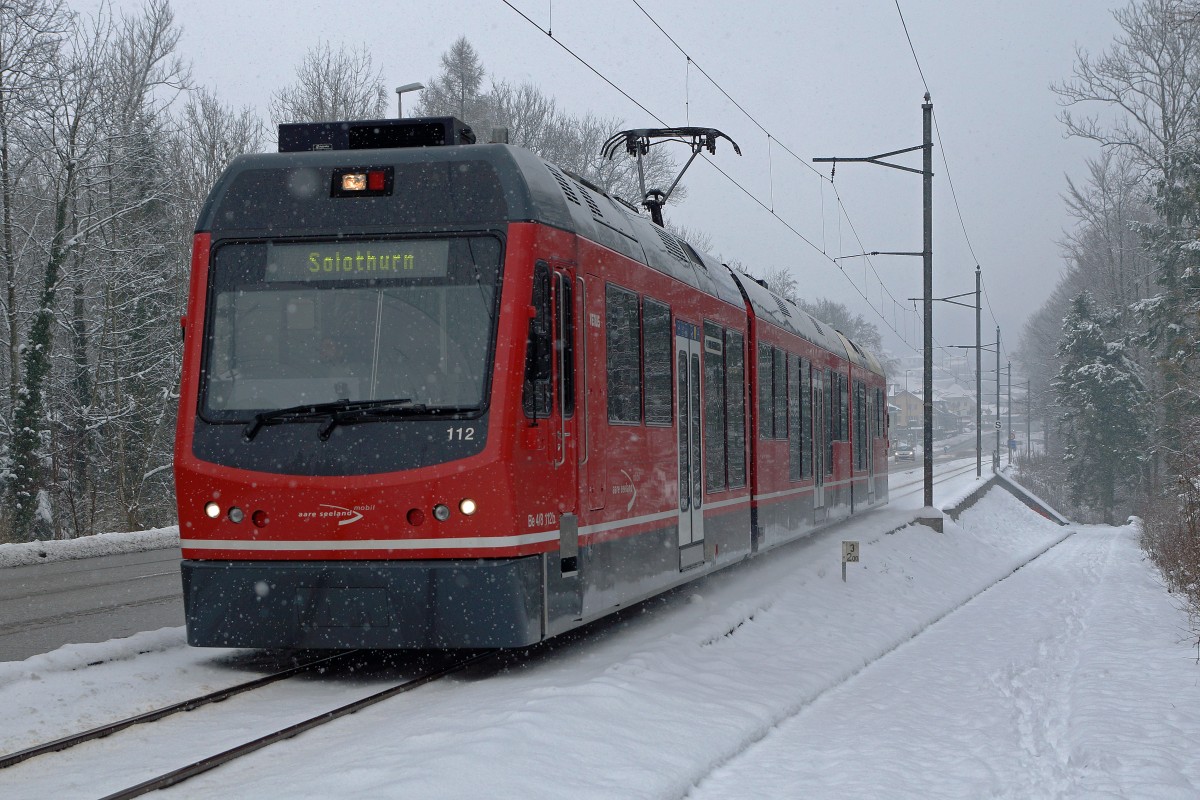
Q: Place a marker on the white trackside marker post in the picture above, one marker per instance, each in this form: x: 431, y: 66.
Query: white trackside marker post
x: 849, y: 554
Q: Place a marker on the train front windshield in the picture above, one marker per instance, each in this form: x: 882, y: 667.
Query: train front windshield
x: 293, y: 323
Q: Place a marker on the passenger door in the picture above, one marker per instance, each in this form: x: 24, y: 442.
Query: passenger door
x: 593, y: 372
x: 690, y: 449
x: 820, y: 430
x: 565, y: 441
x: 564, y: 444
x: 872, y: 432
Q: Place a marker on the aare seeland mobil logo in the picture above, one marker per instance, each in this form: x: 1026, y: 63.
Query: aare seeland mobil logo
x: 343, y: 515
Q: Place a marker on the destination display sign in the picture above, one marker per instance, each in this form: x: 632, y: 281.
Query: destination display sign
x: 337, y: 261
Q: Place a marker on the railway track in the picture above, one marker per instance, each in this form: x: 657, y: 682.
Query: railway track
x: 102, y: 731
x: 900, y: 486
x: 13, y: 782
x: 178, y: 774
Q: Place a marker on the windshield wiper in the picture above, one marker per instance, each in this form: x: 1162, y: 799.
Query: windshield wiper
x: 358, y: 412
x: 333, y: 410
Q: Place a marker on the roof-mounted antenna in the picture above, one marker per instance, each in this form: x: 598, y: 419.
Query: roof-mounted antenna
x: 638, y: 143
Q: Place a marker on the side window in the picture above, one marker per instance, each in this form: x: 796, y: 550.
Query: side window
x: 880, y: 412
x: 831, y: 394
x: 656, y: 361
x: 535, y: 397
x: 860, y: 425
x: 714, y: 407
x: 735, y: 404
x: 766, y: 392
x: 878, y: 415
x: 564, y: 343
x: 835, y: 404
x: 623, y: 335
x: 806, y: 421
x: 795, y: 448
x: 780, y: 394
x: 844, y: 407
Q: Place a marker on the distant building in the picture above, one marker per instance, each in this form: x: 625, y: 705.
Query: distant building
x: 953, y: 406
x: 909, y: 413
x: 957, y: 400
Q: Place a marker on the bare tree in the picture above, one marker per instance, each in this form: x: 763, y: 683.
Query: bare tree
x: 697, y: 238
x: 1105, y: 246
x: 1039, y: 340
x: 1149, y: 79
x: 853, y: 326
x: 581, y: 146
x: 139, y: 258
x: 211, y: 136
x: 332, y: 85
x: 781, y: 281
x: 535, y: 121
x: 31, y: 33
x: 94, y: 407
x: 65, y: 137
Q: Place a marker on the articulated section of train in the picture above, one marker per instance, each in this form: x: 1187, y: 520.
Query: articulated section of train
x: 452, y: 397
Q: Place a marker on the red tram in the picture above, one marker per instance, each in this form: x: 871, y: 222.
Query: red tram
x: 445, y: 394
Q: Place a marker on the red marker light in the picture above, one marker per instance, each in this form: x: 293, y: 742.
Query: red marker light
x: 361, y: 182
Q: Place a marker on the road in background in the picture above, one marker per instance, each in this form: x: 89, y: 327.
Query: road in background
x: 44, y: 606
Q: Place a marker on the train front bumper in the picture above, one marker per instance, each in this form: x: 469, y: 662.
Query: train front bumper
x: 476, y: 603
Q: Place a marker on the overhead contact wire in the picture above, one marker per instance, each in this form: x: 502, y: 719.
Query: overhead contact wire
x: 946, y: 163
x: 725, y: 174
x: 772, y: 139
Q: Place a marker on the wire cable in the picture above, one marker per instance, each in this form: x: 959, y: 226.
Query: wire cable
x: 916, y: 60
x: 726, y: 175
x: 595, y: 71
x: 946, y: 163
x: 728, y: 96
x: 771, y: 139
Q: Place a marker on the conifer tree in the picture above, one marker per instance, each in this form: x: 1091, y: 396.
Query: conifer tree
x: 1101, y: 395
x: 458, y: 89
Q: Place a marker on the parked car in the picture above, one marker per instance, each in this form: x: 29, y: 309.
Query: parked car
x: 903, y: 451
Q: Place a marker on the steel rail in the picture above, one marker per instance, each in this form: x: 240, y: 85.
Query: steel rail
x: 212, y: 762
x: 110, y: 728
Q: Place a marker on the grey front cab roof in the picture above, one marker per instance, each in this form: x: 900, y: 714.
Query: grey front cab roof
x: 533, y: 190
x: 536, y: 191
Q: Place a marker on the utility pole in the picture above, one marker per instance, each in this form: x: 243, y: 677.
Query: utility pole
x: 927, y: 145
x: 1028, y: 419
x: 1010, y: 433
x: 929, y: 516
x: 978, y: 381
x: 978, y: 348
x: 996, y: 454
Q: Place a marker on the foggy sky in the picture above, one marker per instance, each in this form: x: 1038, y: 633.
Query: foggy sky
x: 824, y: 78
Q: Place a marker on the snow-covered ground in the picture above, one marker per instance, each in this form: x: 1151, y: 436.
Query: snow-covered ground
x: 102, y: 544
x: 934, y: 671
